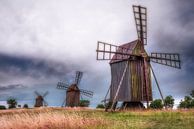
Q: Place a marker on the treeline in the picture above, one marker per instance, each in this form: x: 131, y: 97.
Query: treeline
x: 168, y: 103
x: 188, y: 102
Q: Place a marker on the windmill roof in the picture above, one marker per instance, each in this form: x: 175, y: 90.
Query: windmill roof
x: 129, y: 46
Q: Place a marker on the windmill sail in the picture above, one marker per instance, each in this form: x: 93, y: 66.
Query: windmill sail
x: 140, y: 15
x: 61, y: 85
x: 169, y: 59
x: 78, y: 77
x: 106, y: 51
x: 86, y: 93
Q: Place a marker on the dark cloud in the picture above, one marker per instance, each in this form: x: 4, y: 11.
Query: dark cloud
x: 176, y: 36
x: 33, y: 67
x: 185, y: 11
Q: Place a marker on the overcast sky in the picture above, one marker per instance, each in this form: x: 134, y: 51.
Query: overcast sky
x: 46, y: 41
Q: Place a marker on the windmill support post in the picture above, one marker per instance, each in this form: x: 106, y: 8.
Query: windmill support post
x: 146, y: 81
x: 106, y: 106
x: 157, y: 84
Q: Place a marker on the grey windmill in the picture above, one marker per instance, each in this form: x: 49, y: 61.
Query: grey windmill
x: 131, y: 66
x: 40, y: 99
x: 73, y: 92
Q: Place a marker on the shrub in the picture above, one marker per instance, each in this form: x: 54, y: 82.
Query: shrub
x: 2, y: 107
x: 84, y: 103
x: 25, y: 106
x: 156, y: 104
x: 100, y: 106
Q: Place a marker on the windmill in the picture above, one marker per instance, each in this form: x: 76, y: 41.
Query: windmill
x: 40, y: 99
x: 73, y: 92
x: 131, y: 68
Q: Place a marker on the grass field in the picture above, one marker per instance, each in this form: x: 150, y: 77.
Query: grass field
x: 58, y: 118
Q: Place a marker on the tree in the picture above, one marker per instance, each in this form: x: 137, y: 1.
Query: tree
x: 84, y: 103
x: 186, y: 103
x: 156, y: 104
x: 25, y: 106
x: 100, y: 106
x: 169, y: 101
x: 12, y: 102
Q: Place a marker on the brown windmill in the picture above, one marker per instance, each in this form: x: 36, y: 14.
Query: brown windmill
x: 131, y: 68
x: 40, y: 101
x: 73, y: 92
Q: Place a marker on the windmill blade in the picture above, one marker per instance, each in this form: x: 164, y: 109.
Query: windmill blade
x: 45, y: 94
x: 140, y: 15
x: 78, y: 77
x: 63, y: 103
x: 36, y: 92
x: 45, y: 103
x: 61, y: 85
x: 106, y: 51
x: 168, y: 59
x: 86, y: 93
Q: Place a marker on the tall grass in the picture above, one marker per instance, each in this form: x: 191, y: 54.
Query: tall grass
x: 60, y: 118
x: 47, y: 119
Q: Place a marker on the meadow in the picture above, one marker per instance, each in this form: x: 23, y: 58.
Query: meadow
x: 60, y: 118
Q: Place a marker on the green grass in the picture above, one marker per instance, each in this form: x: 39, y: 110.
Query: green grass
x: 98, y: 119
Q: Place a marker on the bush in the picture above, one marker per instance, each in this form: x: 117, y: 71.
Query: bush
x: 156, y: 104
x: 25, y: 106
x: 2, y: 107
x: 100, y: 106
x: 84, y: 103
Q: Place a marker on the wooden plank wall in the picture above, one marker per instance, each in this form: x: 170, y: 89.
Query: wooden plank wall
x: 125, y: 90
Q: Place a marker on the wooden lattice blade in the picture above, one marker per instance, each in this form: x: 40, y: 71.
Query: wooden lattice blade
x: 78, y: 77
x: 38, y: 94
x: 45, y: 94
x: 86, y: 93
x: 168, y: 59
x: 140, y: 15
x: 45, y: 103
x: 106, y: 51
x: 62, y: 85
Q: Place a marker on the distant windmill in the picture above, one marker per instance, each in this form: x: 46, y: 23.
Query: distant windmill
x: 40, y: 99
x: 131, y: 68
x: 73, y: 91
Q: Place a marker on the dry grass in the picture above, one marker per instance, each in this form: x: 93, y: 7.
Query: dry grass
x: 80, y: 118
x: 47, y: 119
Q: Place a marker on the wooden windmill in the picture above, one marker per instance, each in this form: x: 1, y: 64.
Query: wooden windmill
x: 131, y: 68
x: 40, y: 99
x: 73, y: 92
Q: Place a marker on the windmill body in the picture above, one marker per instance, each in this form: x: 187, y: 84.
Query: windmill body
x: 133, y: 86
x: 73, y: 92
x: 39, y: 101
x: 131, y: 66
x: 72, y: 96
